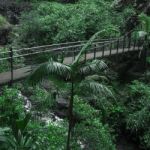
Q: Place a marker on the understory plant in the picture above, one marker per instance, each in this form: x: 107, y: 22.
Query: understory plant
x: 89, y: 131
x: 11, y: 105
x: 138, y: 116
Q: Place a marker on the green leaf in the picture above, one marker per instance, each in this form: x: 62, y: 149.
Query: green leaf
x: 95, y: 66
x: 95, y: 88
x: 52, y: 70
x: 85, y: 47
x: 145, y: 21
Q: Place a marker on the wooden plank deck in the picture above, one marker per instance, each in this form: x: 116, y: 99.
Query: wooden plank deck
x: 21, y: 73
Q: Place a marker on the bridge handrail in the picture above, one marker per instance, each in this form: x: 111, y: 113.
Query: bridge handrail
x: 67, y: 43
x: 62, y: 48
x: 108, y: 41
x: 59, y: 44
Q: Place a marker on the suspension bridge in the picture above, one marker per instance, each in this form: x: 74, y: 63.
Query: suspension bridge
x: 98, y: 49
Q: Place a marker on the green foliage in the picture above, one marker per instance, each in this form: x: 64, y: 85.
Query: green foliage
x: 60, y: 72
x: 146, y: 139
x: 3, y: 22
x: 22, y: 134
x: 85, y: 48
x: 139, y: 107
x: 83, y: 111
x: 138, y: 116
x: 145, y: 21
x: 5, y: 64
x: 144, y: 29
x: 11, y: 105
x: 93, y: 135
x: 90, y: 132
x: 14, y: 137
x: 57, y: 137
x: 51, y: 22
x: 43, y: 99
x: 17, y: 137
x: 52, y: 136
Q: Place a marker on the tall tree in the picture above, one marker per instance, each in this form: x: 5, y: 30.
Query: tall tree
x: 79, y: 74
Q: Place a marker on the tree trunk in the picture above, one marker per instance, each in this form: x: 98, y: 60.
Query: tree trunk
x: 146, y: 48
x: 70, y: 114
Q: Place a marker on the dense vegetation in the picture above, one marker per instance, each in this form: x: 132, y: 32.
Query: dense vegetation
x: 54, y: 22
x: 84, y: 105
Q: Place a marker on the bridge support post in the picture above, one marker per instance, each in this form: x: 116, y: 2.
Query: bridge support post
x: 129, y: 44
x: 94, y: 51
x: 110, y: 49
x: 11, y: 66
x: 124, y: 43
x: 103, y: 49
x: 117, y: 47
x: 134, y: 45
x: 74, y: 55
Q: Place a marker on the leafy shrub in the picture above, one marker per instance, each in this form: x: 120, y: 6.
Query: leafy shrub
x: 17, y: 137
x: 92, y: 134
x: 52, y: 136
x: 89, y: 132
x: 52, y: 22
x: 145, y: 139
x: 11, y: 105
x: 109, y: 108
x: 83, y: 111
x: 57, y: 137
x: 138, y: 116
x: 42, y: 99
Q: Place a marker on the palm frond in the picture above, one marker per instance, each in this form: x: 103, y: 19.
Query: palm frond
x: 96, y: 77
x: 50, y: 70
x: 86, y: 46
x: 2, y: 134
x: 95, y: 88
x: 58, y: 69
x: 95, y: 66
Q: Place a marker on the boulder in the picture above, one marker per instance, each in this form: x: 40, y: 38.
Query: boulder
x: 62, y: 103
x: 61, y: 113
